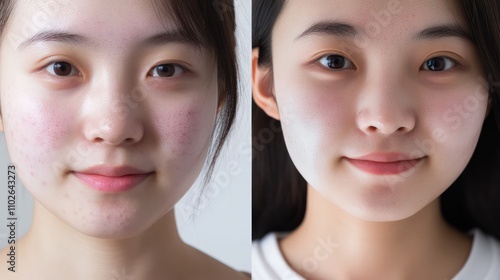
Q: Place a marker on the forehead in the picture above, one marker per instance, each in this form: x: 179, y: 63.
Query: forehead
x: 378, y: 20
x: 117, y: 21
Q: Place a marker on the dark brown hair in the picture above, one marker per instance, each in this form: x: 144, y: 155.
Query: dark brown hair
x: 473, y: 200
x: 209, y: 24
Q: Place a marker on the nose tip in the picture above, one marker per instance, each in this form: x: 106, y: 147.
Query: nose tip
x: 386, y: 123
x: 115, y: 130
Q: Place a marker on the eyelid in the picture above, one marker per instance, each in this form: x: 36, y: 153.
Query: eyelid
x: 346, y: 57
x: 177, y: 65
x: 456, y: 61
x: 51, y: 62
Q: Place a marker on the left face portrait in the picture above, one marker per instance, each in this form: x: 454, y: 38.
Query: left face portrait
x: 87, y: 93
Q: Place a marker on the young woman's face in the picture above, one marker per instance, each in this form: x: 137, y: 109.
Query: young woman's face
x: 381, y: 102
x: 94, y: 90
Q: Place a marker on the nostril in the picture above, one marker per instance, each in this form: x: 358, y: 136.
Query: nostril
x: 129, y: 140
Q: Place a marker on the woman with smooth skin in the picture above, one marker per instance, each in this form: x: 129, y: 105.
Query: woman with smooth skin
x: 109, y: 109
x: 381, y: 105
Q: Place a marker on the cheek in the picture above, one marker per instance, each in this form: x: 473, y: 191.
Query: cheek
x: 455, y: 121
x: 315, y: 117
x: 34, y: 131
x: 318, y: 104
x: 185, y: 130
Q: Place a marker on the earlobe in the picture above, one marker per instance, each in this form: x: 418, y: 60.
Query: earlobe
x: 262, y: 87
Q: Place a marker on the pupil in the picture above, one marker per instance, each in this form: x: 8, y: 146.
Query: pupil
x: 62, y: 68
x: 166, y: 70
x: 436, y: 64
x: 336, y: 62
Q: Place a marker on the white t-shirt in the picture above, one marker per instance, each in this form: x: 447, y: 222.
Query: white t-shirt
x: 483, y: 262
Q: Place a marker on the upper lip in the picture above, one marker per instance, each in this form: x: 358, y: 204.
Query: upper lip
x: 113, y: 171
x: 386, y: 157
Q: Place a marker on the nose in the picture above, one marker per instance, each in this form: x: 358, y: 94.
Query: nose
x: 113, y: 116
x: 386, y: 107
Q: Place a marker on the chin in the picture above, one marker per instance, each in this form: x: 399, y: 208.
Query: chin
x: 382, y: 211
x: 382, y: 215
x: 109, y: 231
x: 375, y: 206
x: 109, y: 227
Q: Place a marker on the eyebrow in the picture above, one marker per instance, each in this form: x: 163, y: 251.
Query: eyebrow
x: 162, y: 38
x: 441, y: 31
x: 54, y: 36
x: 339, y: 29
x: 332, y: 28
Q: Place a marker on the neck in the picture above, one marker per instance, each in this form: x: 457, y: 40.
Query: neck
x: 330, y: 242
x: 156, y: 251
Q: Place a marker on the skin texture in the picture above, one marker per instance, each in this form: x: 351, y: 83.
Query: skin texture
x: 386, y: 101
x: 111, y: 110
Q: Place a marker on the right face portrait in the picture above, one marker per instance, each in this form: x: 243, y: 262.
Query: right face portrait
x: 381, y: 103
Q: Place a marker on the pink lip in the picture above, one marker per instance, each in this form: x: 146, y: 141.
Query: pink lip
x: 385, y: 163
x: 112, y: 179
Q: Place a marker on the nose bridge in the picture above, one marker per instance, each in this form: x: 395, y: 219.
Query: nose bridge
x: 385, y: 102
x: 114, y: 112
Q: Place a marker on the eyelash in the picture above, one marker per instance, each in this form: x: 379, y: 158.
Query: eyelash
x: 339, y: 58
x: 153, y: 72
x: 448, y: 60
x: 52, y: 72
x: 176, y: 67
x: 350, y: 65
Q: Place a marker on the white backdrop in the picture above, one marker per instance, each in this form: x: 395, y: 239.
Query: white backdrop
x: 220, y: 223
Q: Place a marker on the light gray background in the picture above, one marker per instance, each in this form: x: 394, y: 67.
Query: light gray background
x: 220, y: 224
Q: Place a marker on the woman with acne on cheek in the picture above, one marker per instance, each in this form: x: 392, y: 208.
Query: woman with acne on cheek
x: 384, y: 157
x: 109, y: 111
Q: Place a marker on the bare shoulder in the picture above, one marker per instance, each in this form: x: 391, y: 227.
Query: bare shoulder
x: 209, y: 268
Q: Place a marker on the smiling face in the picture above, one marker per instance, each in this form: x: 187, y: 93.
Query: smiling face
x: 381, y: 102
x: 86, y: 92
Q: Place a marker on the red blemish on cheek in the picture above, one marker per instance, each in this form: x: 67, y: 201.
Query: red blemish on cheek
x: 177, y: 127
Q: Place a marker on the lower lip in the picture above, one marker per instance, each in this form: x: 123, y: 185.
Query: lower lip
x: 111, y: 184
x: 384, y: 168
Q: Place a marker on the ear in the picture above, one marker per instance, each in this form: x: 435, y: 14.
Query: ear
x: 262, y: 87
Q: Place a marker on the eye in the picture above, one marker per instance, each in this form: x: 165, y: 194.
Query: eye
x: 438, y: 64
x: 336, y: 62
x: 166, y: 70
x: 62, y: 69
